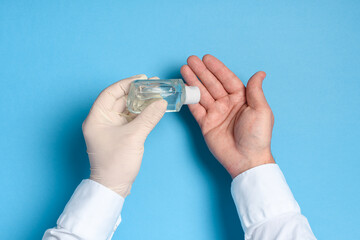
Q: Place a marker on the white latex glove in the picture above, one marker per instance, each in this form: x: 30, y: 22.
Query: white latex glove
x: 115, y: 138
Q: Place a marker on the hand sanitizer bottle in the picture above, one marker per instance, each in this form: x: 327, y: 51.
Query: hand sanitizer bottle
x: 144, y: 92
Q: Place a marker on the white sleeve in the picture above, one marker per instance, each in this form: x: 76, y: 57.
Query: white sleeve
x: 266, y: 206
x: 93, y: 212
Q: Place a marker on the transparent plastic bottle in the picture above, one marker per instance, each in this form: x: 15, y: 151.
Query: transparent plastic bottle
x: 144, y: 92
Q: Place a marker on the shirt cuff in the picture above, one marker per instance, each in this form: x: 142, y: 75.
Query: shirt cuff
x: 261, y: 193
x: 93, y: 211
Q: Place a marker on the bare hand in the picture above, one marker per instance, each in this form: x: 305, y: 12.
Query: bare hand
x: 236, y: 121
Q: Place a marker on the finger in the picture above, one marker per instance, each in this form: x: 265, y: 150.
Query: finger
x: 149, y: 117
x: 198, y: 111
x: 211, y: 83
x: 254, y: 94
x: 154, y: 78
x: 227, y: 78
x: 110, y: 94
x: 190, y: 78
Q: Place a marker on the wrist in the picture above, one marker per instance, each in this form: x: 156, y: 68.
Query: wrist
x: 121, y: 189
x: 251, y: 162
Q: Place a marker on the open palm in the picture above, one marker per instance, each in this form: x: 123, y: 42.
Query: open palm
x: 236, y: 121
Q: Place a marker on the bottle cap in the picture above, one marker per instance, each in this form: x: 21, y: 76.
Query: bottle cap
x: 192, y: 95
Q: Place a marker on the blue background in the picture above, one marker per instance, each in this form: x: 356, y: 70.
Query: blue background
x: 56, y: 56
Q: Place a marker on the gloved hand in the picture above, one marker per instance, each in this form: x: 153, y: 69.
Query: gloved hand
x: 115, y: 138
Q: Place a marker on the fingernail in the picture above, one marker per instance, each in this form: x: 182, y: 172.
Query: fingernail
x: 140, y: 76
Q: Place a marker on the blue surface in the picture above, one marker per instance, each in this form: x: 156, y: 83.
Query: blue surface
x: 56, y: 56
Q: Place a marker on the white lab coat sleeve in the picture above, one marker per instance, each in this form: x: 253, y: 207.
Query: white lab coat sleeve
x: 266, y: 206
x: 93, y: 212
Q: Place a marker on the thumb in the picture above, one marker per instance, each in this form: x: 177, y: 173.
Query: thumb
x: 149, y: 117
x: 254, y: 93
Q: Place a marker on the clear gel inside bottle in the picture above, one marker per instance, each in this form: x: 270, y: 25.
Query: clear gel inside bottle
x: 143, y: 92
